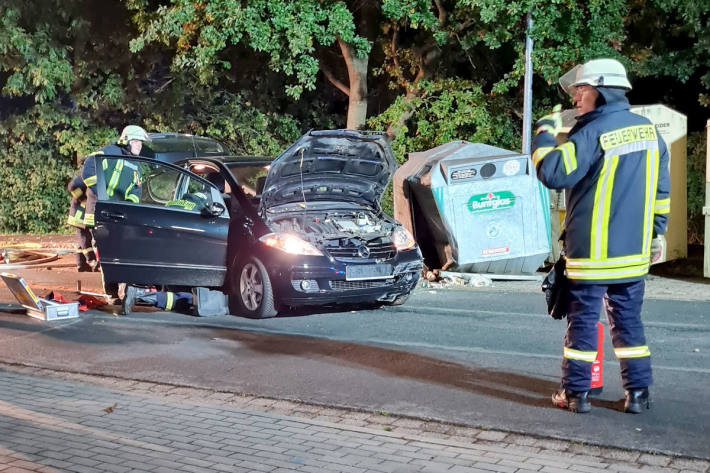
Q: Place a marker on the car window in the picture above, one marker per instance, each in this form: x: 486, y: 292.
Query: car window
x: 250, y: 177
x: 204, y: 145
x: 153, y: 184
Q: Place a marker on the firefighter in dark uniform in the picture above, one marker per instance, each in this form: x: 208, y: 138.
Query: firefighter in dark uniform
x: 165, y: 300
x: 122, y: 177
x: 85, y: 256
x: 614, y: 169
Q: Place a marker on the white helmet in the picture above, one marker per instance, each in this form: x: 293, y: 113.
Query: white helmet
x: 597, y: 73
x: 133, y: 132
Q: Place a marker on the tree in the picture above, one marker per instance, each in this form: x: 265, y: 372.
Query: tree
x: 290, y: 35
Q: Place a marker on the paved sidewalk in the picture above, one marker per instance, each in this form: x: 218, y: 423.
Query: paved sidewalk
x: 52, y: 421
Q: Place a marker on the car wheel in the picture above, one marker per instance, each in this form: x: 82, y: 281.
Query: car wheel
x: 399, y: 300
x: 252, y: 289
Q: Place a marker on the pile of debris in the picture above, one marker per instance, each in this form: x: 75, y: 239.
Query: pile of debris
x: 437, y: 278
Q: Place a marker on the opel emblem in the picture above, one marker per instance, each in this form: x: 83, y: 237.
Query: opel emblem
x: 363, y: 252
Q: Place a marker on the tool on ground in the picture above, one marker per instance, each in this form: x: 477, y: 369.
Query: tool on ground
x: 42, y: 309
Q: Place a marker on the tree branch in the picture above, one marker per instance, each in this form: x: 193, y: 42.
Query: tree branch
x: 333, y: 80
x: 442, y: 12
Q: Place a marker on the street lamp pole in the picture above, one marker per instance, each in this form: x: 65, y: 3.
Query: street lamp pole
x: 527, y: 92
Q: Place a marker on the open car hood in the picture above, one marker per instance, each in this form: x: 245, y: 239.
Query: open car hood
x: 332, y: 165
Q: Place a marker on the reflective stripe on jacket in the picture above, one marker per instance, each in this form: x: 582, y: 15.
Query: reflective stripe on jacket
x: 614, y: 168
x: 126, y: 184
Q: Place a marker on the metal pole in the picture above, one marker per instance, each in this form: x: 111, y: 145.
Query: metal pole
x: 706, y: 209
x: 527, y: 92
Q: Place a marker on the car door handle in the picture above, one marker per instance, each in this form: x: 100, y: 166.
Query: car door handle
x: 116, y: 215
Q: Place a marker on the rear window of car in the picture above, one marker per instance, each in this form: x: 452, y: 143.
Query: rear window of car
x: 197, y: 146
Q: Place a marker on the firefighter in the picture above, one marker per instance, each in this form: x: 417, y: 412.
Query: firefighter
x: 614, y: 169
x: 165, y: 300
x: 121, y: 176
x: 85, y: 255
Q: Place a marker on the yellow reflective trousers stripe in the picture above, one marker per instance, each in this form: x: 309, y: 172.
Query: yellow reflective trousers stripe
x: 632, y: 352
x: 170, y: 298
x: 571, y: 354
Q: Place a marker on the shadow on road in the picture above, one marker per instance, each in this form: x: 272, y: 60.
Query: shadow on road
x: 508, y: 386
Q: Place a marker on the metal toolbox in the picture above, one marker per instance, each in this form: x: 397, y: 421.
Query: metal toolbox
x: 42, y: 309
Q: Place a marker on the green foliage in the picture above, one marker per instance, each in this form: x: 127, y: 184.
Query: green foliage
x: 682, y: 52
x: 36, y: 65
x: 697, y: 158
x: 448, y: 110
x: 226, y: 116
x: 287, y: 32
x: 34, y: 175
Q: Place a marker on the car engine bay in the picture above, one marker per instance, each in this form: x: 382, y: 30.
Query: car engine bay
x: 334, y: 227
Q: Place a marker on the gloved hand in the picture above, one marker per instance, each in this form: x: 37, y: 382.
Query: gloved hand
x: 551, y: 123
x: 656, y: 248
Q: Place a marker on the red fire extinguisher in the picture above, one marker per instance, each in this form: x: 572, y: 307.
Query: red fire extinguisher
x: 598, y: 364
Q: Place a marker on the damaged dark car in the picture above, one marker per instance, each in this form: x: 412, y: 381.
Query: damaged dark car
x: 304, y: 229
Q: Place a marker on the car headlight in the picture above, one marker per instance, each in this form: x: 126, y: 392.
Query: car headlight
x: 291, y: 244
x: 402, y: 239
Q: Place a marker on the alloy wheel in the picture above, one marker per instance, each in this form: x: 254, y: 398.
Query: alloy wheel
x: 251, y: 287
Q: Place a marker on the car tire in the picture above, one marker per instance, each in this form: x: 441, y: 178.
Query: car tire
x: 251, y: 287
x: 399, y: 300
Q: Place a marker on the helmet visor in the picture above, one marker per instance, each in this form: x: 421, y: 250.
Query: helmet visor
x: 568, y: 80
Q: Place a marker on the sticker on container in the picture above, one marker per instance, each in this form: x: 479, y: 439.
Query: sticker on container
x: 510, y: 168
x: 491, y: 201
x: 501, y: 250
x: 463, y: 174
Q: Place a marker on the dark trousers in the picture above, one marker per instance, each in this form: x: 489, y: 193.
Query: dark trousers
x: 622, y: 303
x: 85, y: 251
x: 166, y: 300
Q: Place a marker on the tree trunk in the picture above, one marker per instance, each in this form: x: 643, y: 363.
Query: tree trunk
x: 357, y: 74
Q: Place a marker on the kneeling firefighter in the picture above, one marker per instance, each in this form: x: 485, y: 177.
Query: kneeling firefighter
x: 614, y: 169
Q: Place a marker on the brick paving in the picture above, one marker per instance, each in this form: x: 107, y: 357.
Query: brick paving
x: 57, y: 422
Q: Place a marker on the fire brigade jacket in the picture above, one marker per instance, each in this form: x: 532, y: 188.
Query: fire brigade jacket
x: 121, y: 176
x: 614, y: 169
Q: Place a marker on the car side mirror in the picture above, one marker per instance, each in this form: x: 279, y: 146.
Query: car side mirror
x: 215, y: 209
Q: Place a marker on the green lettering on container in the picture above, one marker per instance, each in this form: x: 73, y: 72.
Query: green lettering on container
x: 491, y: 201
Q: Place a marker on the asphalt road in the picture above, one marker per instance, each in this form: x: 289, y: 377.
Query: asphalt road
x: 470, y: 357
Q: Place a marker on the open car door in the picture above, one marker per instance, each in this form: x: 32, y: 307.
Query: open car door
x: 157, y: 224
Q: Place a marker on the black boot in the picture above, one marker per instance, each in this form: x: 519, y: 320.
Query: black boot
x: 572, y: 400
x: 636, y: 400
